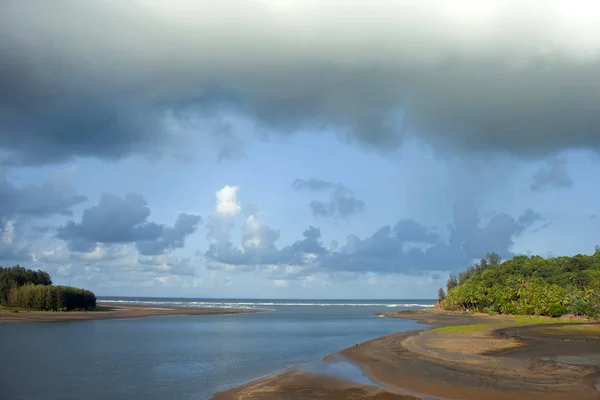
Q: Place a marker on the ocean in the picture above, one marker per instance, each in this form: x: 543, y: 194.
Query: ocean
x: 183, y: 357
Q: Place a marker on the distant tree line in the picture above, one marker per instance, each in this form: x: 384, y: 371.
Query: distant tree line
x: 33, y: 290
x: 19, y: 276
x: 528, y: 286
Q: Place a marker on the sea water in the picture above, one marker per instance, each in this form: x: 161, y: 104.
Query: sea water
x: 183, y: 357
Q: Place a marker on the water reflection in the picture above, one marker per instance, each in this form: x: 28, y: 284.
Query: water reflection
x: 339, y: 367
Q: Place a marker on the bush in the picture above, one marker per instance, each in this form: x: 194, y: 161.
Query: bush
x: 508, y: 309
x: 556, y: 310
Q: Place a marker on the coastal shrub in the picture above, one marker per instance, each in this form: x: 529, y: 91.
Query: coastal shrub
x: 51, y: 298
x: 441, y: 294
x: 529, y: 286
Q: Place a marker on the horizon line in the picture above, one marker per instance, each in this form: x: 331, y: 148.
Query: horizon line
x: 266, y: 298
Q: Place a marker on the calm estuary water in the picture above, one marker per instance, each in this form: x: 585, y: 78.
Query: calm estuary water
x: 182, y: 357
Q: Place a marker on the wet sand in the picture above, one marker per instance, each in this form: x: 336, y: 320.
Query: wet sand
x: 114, y: 311
x: 496, y: 360
x: 299, y: 385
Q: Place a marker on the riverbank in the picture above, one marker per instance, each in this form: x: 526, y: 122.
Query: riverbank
x: 462, y: 357
x: 116, y: 311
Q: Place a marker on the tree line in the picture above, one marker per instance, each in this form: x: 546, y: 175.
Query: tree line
x: 528, y: 285
x: 33, y: 290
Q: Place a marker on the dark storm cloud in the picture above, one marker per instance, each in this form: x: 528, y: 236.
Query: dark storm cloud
x: 36, y: 200
x: 108, y: 79
x: 341, y: 204
x: 117, y: 220
x: 553, y: 175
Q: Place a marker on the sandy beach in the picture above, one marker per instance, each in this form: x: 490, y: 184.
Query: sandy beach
x: 499, y: 358
x: 113, y: 311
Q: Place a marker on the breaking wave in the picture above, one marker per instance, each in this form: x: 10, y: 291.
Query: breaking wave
x: 262, y: 304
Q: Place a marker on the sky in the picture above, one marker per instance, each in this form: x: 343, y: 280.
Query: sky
x: 283, y: 149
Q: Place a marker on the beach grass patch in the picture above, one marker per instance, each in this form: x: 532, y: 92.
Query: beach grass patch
x: 467, y: 328
x: 514, y: 320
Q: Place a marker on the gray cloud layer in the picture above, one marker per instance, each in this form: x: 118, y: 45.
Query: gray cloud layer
x: 225, y: 253
x: 105, y: 79
x: 19, y: 205
x: 118, y: 220
x: 341, y: 204
x: 553, y: 175
x: 36, y: 200
x: 407, y: 247
x: 314, y: 185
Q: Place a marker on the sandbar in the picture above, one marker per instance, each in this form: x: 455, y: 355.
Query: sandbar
x: 294, y: 384
x: 117, y: 311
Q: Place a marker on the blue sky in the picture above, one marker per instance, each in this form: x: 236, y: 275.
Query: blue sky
x: 288, y: 171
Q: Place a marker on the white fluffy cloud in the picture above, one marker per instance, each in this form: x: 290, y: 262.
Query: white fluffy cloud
x: 118, y: 265
x: 227, y: 201
x: 257, y: 235
x: 11, y: 248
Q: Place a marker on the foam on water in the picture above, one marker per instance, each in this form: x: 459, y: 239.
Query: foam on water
x: 261, y: 304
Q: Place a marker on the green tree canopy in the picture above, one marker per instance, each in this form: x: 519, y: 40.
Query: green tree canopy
x: 26, y: 288
x: 529, y: 285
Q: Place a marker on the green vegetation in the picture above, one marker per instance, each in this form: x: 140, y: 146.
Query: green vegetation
x: 528, y: 286
x: 530, y: 319
x: 466, y: 328
x: 19, y: 276
x: 512, y: 320
x: 441, y: 294
x: 33, y: 290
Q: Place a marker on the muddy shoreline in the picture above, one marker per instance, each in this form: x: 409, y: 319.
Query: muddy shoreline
x: 116, y: 311
x: 497, y: 359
